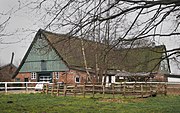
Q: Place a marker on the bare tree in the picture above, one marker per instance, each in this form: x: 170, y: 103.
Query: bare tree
x: 3, y: 25
x: 5, y: 19
x: 128, y: 20
x: 116, y: 23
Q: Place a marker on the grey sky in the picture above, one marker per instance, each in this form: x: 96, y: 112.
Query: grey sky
x: 19, y: 22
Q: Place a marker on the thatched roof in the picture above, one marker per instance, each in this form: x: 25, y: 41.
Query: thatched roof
x: 144, y: 59
x: 70, y: 49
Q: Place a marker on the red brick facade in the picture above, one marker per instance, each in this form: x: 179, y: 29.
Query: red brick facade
x: 70, y: 77
x: 21, y: 77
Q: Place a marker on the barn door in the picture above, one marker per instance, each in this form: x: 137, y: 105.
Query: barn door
x: 44, y: 77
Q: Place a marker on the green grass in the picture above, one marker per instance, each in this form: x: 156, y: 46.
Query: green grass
x: 41, y: 103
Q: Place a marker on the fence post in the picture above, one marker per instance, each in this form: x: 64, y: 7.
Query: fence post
x: 142, y: 90
x: 165, y: 89
x: 65, y: 87
x: 75, y: 87
x: 133, y: 87
x: 93, y: 90
x: 121, y: 88
x: 124, y: 89
x: 146, y: 87
x: 26, y: 87
x: 103, y: 90
x: 84, y: 88
x: 150, y: 88
x: 57, y: 89
x: 113, y: 89
x: 52, y: 89
x: 47, y: 88
x: 6, y: 87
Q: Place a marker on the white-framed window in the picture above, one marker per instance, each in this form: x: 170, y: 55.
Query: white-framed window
x: 33, y: 75
x: 56, y: 75
x: 77, y: 79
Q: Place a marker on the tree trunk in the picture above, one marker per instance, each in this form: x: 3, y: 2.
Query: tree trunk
x: 89, y: 79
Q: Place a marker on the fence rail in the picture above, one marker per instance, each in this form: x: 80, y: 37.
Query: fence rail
x: 124, y: 88
x: 19, y: 85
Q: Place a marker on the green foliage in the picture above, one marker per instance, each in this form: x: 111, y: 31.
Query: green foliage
x: 41, y: 103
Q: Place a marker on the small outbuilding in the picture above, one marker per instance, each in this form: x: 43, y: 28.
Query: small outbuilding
x: 6, y: 72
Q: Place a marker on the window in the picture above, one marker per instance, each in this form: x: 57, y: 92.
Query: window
x: 77, y: 79
x: 56, y: 75
x: 33, y: 75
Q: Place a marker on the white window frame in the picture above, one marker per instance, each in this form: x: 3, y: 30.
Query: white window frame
x: 33, y: 75
x: 56, y: 74
x: 76, y: 79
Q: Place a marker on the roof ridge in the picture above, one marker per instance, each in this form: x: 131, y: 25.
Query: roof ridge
x: 3, y: 66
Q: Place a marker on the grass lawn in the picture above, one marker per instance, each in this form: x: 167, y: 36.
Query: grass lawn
x: 41, y: 103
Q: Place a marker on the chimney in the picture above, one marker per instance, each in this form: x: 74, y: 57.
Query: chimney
x: 12, y: 58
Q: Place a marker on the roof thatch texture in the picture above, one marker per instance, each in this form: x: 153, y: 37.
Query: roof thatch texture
x: 70, y: 48
x: 144, y: 59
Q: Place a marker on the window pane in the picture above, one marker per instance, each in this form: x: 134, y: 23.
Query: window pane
x: 33, y: 75
x: 77, y: 79
x: 56, y: 74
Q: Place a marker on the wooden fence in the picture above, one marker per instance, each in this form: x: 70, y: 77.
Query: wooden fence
x: 140, y: 89
x: 125, y: 88
x: 173, y: 88
x: 26, y: 86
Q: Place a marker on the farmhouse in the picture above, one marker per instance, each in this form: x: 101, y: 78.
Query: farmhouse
x: 73, y: 60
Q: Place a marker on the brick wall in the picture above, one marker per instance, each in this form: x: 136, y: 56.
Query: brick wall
x: 160, y: 78
x: 22, y: 76
x: 69, y: 77
x: 66, y: 77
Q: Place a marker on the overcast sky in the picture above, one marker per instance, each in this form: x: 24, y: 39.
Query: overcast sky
x: 22, y: 20
x: 20, y: 40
